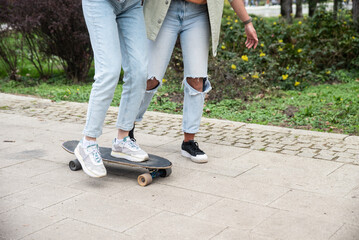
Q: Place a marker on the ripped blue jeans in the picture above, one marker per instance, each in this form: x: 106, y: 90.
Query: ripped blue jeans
x: 190, y: 21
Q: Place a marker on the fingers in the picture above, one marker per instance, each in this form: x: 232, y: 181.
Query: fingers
x: 251, y: 43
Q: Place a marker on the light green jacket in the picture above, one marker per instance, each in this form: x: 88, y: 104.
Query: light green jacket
x: 155, y: 12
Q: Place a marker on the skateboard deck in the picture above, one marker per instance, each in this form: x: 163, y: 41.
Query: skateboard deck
x: 157, y: 166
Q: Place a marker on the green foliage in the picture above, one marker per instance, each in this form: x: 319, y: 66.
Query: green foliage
x: 290, y: 56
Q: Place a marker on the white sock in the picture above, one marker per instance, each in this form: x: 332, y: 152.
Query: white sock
x: 86, y: 143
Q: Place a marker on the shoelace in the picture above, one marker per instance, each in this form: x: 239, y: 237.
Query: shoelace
x: 95, y: 152
x: 132, y: 144
x: 196, y: 148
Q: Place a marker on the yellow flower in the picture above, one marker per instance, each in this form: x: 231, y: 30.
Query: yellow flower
x: 284, y: 77
x: 353, y: 38
x: 255, y: 19
x: 231, y: 28
x: 262, y: 54
x: 255, y: 76
x: 223, y: 47
x: 228, y: 23
x: 236, y: 20
x: 339, y: 10
x: 300, y: 50
x: 243, y: 78
x: 296, y: 83
x: 263, y: 72
x: 275, y: 23
x: 300, y: 22
x: 328, y: 72
x: 164, y: 80
x: 280, y: 40
x: 78, y: 89
x: 262, y: 45
x: 345, y: 23
x: 233, y: 66
x: 245, y: 58
x: 287, y: 67
x: 280, y: 49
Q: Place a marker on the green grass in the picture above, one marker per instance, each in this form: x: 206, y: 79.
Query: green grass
x: 331, y: 108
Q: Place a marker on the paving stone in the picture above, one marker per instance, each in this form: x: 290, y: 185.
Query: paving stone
x: 272, y: 149
x: 177, y: 227
x: 353, y: 151
x: 21, y: 221
x: 241, y: 145
x: 237, y: 214
x: 32, y: 167
x: 345, y: 154
x: 229, y: 187
x: 352, y: 140
x: 12, y: 183
x: 113, y: 214
x: 7, y: 205
x: 346, y: 232
x: 44, y: 195
x: 227, y: 165
x: 235, y: 234
x: 296, y: 226
x: 347, y: 160
x: 306, y: 154
x: 176, y: 200
x: 325, y: 177
x: 289, y: 152
x: 292, y: 147
x: 334, y: 209
x: 72, y: 229
x: 109, y: 185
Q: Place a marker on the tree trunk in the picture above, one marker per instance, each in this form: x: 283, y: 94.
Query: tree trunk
x: 335, y: 9
x: 286, y: 9
x: 299, y: 10
x: 356, y: 13
x: 312, y: 7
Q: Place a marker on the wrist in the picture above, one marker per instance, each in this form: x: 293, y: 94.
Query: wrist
x: 247, y: 21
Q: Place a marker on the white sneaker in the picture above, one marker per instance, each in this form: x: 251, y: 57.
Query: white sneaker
x: 128, y: 149
x: 90, y: 160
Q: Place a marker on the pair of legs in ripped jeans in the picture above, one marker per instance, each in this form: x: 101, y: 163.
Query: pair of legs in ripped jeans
x: 190, y: 21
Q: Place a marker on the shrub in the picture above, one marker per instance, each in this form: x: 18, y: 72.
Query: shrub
x: 50, y: 29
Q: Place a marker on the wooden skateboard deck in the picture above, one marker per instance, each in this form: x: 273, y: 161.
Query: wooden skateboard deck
x: 157, y: 166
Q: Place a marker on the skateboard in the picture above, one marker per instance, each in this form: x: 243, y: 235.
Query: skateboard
x: 157, y: 166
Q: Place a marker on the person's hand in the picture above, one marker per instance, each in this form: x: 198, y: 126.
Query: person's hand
x: 252, y: 39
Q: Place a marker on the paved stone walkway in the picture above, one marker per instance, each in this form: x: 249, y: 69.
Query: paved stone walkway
x: 333, y: 147
x: 261, y: 182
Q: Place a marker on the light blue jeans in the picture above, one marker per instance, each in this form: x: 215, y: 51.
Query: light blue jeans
x: 118, y: 37
x: 190, y: 21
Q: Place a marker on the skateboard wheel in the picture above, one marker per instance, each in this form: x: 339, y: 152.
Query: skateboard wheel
x: 144, y: 179
x: 165, y: 172
x: 75, y: 165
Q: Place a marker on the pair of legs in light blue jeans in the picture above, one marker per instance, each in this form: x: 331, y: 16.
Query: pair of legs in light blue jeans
x: 118, y: 38
x: 190, y: 21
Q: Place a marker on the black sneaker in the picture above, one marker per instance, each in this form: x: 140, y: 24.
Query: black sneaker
x: 191, y: 150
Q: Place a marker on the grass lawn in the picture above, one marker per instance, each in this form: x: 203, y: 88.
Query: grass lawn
x: 331, y: 108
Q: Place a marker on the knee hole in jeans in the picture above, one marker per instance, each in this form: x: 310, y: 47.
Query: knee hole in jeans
x: 152, y: 84
x: 196, y: 83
